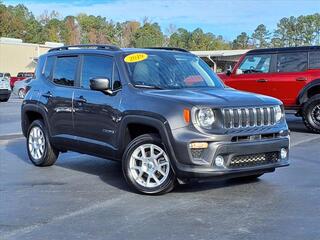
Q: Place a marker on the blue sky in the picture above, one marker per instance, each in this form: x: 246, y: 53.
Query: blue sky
x: 227, y: 18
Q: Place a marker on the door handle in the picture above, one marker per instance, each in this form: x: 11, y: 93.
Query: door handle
x: 301, y: 79
x: 81, y: 99
x: 47, y: 95
x: 262, y: 80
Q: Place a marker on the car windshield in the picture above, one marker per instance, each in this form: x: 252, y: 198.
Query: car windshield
x: 1, y: 74
x: 167, y: 70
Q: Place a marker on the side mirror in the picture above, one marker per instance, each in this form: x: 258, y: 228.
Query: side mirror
x: 228, y: 73
x: 100, y: 84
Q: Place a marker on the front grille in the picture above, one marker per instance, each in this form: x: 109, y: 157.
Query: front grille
x: 248, y: 117
x: 253, y: 160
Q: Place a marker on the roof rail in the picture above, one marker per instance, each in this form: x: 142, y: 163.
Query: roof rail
x: 95, y: 46
x: 169, y: 48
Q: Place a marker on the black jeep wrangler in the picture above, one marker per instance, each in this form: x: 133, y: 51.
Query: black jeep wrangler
x: 162, y: 112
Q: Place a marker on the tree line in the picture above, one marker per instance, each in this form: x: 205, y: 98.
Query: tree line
x: 18, y: 22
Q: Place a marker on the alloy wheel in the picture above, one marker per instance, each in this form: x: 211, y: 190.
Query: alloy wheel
x: 149, y: 165
x: 36, y: 143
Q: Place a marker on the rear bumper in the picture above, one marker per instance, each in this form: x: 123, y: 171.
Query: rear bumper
x: 188, y: 167
x: 4, y: 93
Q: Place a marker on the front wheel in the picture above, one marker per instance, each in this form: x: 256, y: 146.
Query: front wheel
x: 146, y: 165
x: 311, y: 113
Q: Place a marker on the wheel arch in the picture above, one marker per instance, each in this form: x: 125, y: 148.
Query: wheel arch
x: 30, y: 113
x: 308, y: 91
x: 157, y: 123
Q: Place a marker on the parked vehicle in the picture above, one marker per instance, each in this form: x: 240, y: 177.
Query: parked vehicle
x: 21, y: 76
x: 162, y: 112
x: 5, y: 90
x: 20, y: 87
x: 289, y: 74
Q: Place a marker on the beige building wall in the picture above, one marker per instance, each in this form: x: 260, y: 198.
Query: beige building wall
x: 20, y: 57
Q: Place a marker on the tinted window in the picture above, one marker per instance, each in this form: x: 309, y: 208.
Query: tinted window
x: 95, y: 67
x: 48, y: 67
x: 292, y: 62
x: 255, y: 64
x: 314, y: 60
x: 1, y: 74
x: 7, y: 75
x: 65, y: 71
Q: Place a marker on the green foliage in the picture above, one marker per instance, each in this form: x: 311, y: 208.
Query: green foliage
x: 197, y: 40
x: 149, y: 35
x: 18, y: 22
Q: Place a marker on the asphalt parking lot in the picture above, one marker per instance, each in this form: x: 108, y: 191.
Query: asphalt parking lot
x: 83, y: 197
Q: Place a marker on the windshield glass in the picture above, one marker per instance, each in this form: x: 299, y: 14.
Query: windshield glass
x: 165, y: 70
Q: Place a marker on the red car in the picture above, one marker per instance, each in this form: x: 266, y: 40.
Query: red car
x: 289, y: 74
x: 19, y: 77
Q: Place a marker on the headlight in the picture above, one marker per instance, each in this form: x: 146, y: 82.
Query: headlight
x: 278, y: 113
x: 205, y: 117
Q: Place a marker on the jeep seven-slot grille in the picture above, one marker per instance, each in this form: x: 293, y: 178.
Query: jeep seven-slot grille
x: 253, y: 160
x: 248, y: 117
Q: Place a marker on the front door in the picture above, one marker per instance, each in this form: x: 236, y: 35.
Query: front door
x: 253, y: 74
x: 96, y: 117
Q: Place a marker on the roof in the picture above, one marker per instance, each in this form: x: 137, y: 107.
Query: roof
x: 286, y: 49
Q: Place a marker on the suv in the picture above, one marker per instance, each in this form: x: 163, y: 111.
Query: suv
x: 289, y: 74
x: 162, y: 112
x: 5, y: 90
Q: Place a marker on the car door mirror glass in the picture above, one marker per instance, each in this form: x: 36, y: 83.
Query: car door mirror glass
x: 100, y: 84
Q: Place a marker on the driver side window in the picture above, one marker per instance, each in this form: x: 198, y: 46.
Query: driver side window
x: 255, y: 64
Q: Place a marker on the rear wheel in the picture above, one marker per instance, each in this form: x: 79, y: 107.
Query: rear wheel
x: 146, y: 165
x: 40, y: 151
x: 311, y: 113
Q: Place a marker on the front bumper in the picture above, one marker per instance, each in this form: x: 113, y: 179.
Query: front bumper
x: 187, y: 166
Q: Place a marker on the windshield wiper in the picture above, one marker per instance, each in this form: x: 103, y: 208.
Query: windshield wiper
x: 147, y: 86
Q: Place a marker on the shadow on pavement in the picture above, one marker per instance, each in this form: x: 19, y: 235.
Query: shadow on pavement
x: 110, y: 172
x: 296, y: 124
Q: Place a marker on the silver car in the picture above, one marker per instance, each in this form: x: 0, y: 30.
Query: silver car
x: 20, y: 87
x: 5, y: 90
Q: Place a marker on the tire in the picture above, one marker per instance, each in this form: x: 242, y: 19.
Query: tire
x: 153, y: 175
x: 38, y: 138
x: 311, y: 113
x: 5, y: 99
x: 21, y: 93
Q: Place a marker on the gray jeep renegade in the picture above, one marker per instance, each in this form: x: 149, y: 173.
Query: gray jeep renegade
x: 162, y: 112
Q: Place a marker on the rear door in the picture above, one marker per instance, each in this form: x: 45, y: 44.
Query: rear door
x: 59, y: 98
x: 96, y: 115
x: 253, y: 73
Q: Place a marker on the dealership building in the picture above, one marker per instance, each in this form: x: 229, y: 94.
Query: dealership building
x: 17, y: 56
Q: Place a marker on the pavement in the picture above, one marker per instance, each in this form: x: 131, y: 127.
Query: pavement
x: 84, y: 197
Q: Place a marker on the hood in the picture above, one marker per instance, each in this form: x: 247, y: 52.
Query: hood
x: 214, y: 97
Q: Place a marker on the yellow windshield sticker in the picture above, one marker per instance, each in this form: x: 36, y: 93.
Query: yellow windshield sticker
x: 135, y: 57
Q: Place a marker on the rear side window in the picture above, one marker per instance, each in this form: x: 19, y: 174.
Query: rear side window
x: 314, y: 60
x: 48, y: 67
x: 65, y: 69
x: 292, y: 62
x: 95, y: 67
x: 255, y: 64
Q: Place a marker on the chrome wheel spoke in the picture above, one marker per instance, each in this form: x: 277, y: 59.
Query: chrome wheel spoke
x: 36, y: 142
x: 149, y: 165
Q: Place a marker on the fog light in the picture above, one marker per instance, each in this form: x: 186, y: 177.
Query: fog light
x: 283, y: 153
x: 219, y: 161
